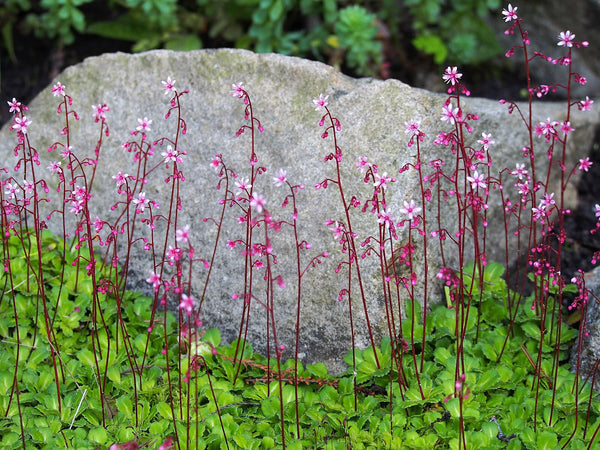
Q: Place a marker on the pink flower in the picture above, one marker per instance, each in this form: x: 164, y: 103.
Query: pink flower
x: 385, y: 218
x: 597, y: 208
x: 510, y: 13
x: 320, y: 102
x: 242, y: 185
x: 168, y: 85
x: 21, y: 124
x: 154, y: 280
x: 547, y: 201
x: 258, y: 202
x: 171, y: 155
x: 14, y: 106
x: 451, y: 75
x: 381, y: 181
x: 486, y: 140
x: 584, y: 105
x: 187, y: 304
x: 144, y: 125
x: 280, y: 179
x: 412, y: 128
x: 215, y: 163
x: 337, y: 229
x: 585, y: 164
x: 54, y: 166
x: 141, y: 201
x: 519, y: 171
x: 99, y: 111
x: 450, y: 114
x: 565, y: 39
x: 410, y: 210
x: 58, y: 89
x: 183, y: 234
x: 362, y: 164
x: 174, y: 253
x: 237, y: 90
x: 11, y: 190
x: 477, y: 180
x: 566, y: 128
x: 120, y: 178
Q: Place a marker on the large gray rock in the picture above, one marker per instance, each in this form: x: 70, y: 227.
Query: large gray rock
x: 372, y: 114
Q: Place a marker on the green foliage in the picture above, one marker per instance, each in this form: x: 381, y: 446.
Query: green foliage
x: 455, y: 30
x: 343, y: 34
x: 358, y: 409
x: 60, y: 19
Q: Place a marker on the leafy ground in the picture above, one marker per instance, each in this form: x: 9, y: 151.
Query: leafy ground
x: 119, y: 383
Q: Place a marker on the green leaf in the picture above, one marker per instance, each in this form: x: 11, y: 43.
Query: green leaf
x: 432, y: 45
x: 98, y: 436
x: 547, y: 440
x: 270, y: 406
x: 183, y: 43
x: 125, y: 406
x: 164, y: 410
x: 531, y: 329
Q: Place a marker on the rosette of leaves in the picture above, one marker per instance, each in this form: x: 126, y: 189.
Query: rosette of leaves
x: 356, y: 32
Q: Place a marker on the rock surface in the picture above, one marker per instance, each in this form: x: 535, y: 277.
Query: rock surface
x: 372, y: 115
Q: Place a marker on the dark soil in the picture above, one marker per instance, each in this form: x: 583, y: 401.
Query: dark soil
x: 39, y: 63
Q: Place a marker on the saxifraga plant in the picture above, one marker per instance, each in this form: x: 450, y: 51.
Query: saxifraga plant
x: 489, y: 372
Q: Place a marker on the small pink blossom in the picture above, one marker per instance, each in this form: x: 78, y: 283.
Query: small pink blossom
x: 168, y: 85
x: 381, y: 181
x: 412, y: 128
x: 547, y: 201
x: 584, y: 105
x: 320, y: 102
x: 171, y: 155
x: 385, y: 218
x: 410, y: 210
x: 519, y: 171
x: 11, y: 190
x: 237, y: 90
x: 99, y: 111
x: 337, y: 229
x: 258, y: 202
x: 597, y: 209
x: 215, y: 163
x: 120, y: 178
x: 187, y: 304
x: 362, y: 164
x: 565, y: 39
x: 144, y: 125
x: 21, y: 124
x: 58, y: 89
x: 486, y: 140
x: 242, y: 185
x: 14, y: 106
x: 566, y: 128
x: 174, y: 253
x: 154, y: 280
x: 280, y: 179
x: 585, y: 164
x: 477, y: 180
x: 449, y: 113
x: 451, y: 75
x: 510, y: 13
x: 183, y: 234
x: 54, y: 166
x: 141, y: 201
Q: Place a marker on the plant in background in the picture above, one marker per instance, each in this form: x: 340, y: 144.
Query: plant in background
x: 59, y: 20
x: 454, y: 30
x: 356, y: 33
